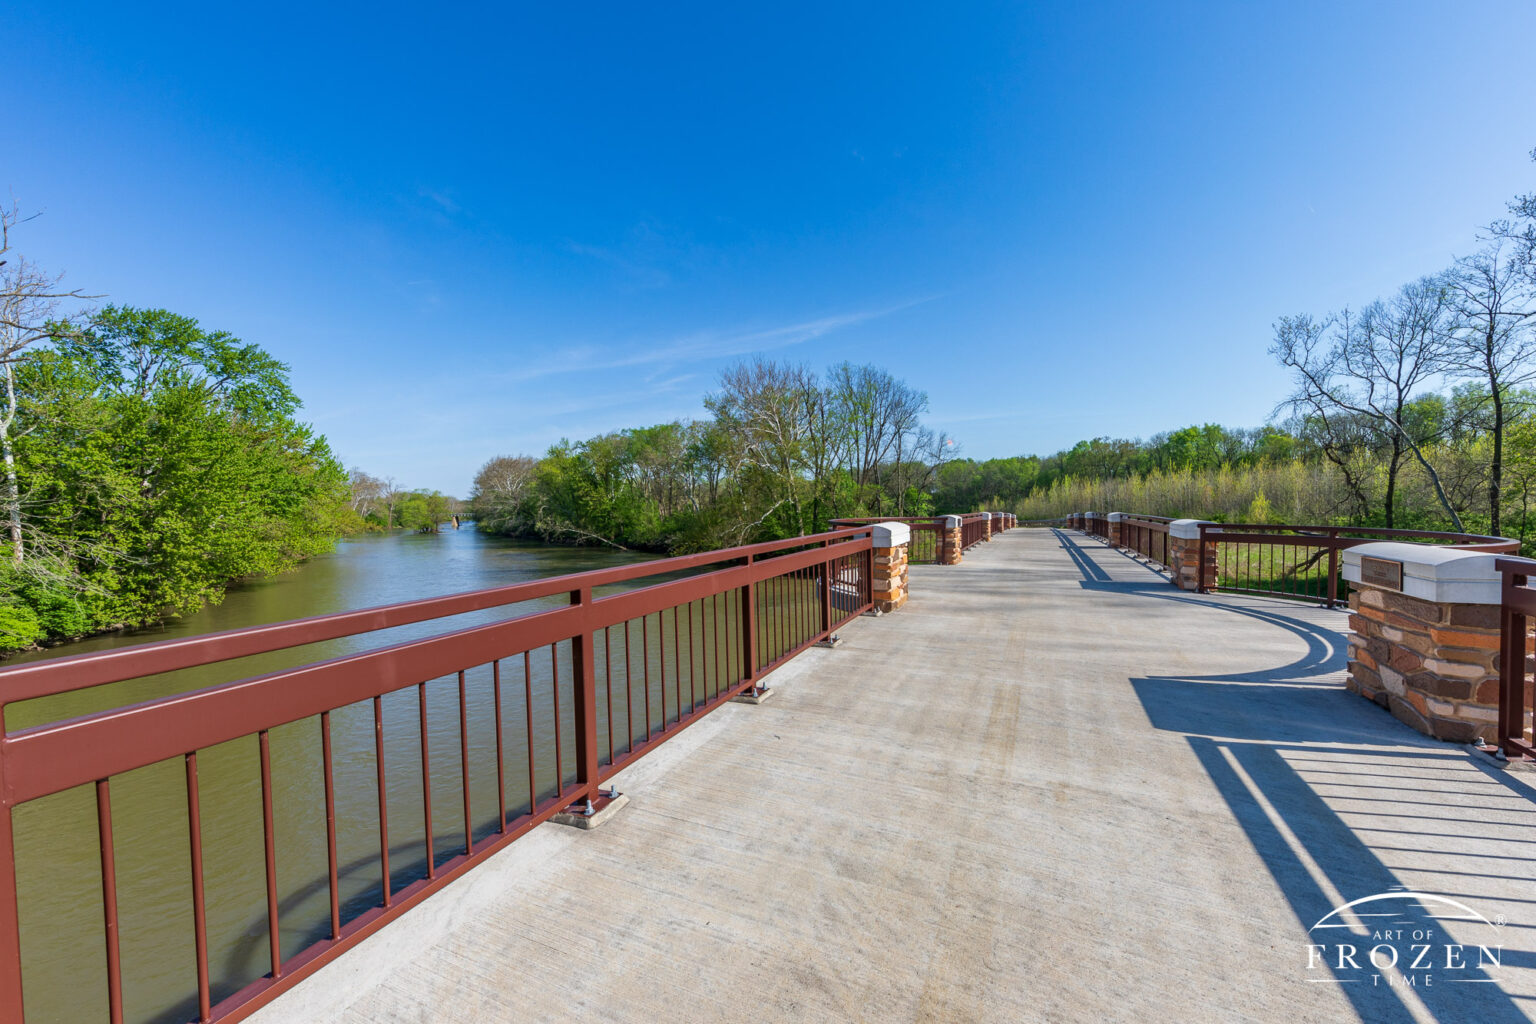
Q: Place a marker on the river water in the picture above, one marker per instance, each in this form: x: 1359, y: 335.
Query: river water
x: 58, y: 860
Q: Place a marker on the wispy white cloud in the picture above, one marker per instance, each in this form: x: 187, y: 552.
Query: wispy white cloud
x: 699, y: 345
x: 441, y: 200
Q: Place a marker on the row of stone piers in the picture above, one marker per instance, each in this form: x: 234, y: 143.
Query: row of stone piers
x: 1425, y: 638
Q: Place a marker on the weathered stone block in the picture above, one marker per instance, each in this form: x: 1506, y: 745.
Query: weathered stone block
x: 1476, y: 615
x: 1484, y: 639
x: 1413, y: 607
x: 1405, y: 660
x: 1441, y: 686
x: 1453, y: 669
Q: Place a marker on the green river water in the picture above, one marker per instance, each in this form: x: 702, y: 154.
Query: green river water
x: 58, y: 860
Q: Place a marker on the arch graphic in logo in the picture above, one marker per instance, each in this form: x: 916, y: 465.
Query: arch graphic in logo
x: 1400, y: 938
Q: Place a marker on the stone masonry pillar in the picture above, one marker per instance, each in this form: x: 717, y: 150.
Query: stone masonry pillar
x: 1184, y: 555
x: 986, y: 526
x: 1425, y: 640
x: 1115, y: 537
x: 949, y: 540
x: 890, y: 579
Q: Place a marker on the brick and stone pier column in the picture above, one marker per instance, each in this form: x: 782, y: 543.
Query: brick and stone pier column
x: 890, y: 577
x: 1425, y: 641
x: 1115, y: 537
x: 986, y: 524
x: 1184, y: 555
x: 950, y: 540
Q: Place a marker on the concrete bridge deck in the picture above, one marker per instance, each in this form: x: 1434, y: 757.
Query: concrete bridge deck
x: 1052, y: 788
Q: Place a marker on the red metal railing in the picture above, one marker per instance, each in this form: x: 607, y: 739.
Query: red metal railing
x: 689, y: 644
x: 927, y: 532
x: 926, y: 545
x: 1517, y: 694
x: 973, y: 530
x: 1147, y: 536
x: 1303, y: 561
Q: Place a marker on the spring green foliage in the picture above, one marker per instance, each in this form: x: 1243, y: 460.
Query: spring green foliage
x: 785, y: 452
x: 157, y: 462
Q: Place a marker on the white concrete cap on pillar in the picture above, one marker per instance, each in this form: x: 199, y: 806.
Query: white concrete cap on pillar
x: 951, y: 522
x: 891, y: 535
x: 1090, y: 515
x: 1434, y: 572
x: 986, y: 515
x: 1186, y: 529
x: 1115, y: 517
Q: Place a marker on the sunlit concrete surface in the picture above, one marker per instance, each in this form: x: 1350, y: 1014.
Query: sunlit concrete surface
x: 1051, y: 788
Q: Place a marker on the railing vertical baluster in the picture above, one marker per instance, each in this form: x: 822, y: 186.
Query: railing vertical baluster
x: 608, y: 685
x: 426, y: 782
x: 109, y: 901
x: 199, y: 905
x: 469, y: 821
x: 554, y: 690
x: 693, y: 672
x: 810, y: 596
x: 378, y: 762
x: 714, y: 632
x: 645, y: 667
x: 677, y: 664
x: 268, y: 830
x: 533, y: 790
x: 584, y: 692
x: 732, y: 640
x: 330, y: 824
x: 629, y: 695
x: 501, y: 771
x: 828, y: 566
x: 661, y: 665
x: 779, y: 623
x: 1333, y: 573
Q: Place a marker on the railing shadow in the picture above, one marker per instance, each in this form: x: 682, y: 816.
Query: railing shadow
x: 1268, y: 738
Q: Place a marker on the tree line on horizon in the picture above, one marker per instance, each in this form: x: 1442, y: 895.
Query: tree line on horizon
x: 381, y: 504
x: 785, y: 451
x: 1417, y: 410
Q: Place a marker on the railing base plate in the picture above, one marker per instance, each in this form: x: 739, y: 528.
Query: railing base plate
x: 603, y: 808
x: 751, y: 697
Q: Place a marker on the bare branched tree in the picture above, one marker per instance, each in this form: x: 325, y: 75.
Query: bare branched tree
x: 1494, y: 342
x: 501, y: 487
x: 1373, y: 364
x: 762, y: 403
x: 34, y: 308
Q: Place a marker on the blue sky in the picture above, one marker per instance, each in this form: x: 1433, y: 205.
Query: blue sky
x: 475, y: 231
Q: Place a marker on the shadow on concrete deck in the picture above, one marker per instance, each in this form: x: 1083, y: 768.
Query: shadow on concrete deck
x: 1280, y: 743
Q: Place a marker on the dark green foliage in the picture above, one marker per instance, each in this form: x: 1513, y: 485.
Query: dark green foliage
x: 157, y: 464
